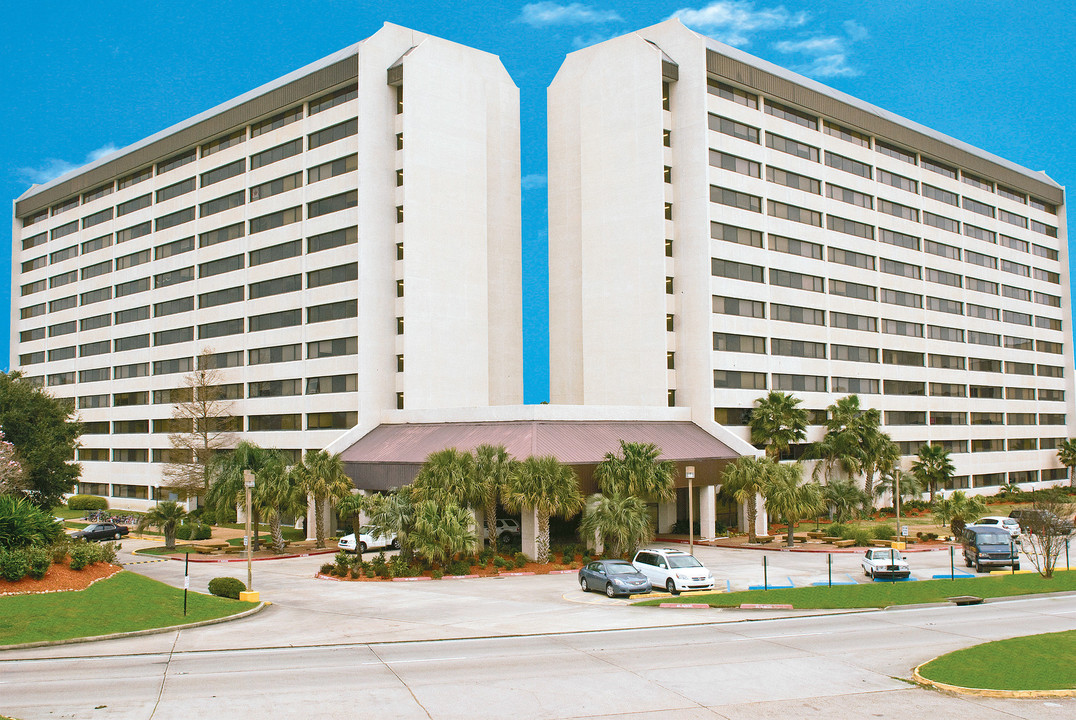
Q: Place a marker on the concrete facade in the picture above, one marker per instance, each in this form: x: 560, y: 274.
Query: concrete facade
x: 720, y: 226
x: 328, y: 235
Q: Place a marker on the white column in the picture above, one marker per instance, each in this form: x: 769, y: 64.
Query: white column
x: 666, y: 516
x: 479, y: 529
x: 741, y: 517
x: 529, y: 527
x: 707, y: 512
x: 311, y: 519
x: 595, y: 542
x: 762, y: 518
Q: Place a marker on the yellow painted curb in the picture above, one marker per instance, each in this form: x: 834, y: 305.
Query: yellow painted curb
x: 986, y: 692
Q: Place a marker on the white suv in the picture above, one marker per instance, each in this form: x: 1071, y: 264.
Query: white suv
x: 674, y: 570
x: 1008, y: 523
x: 508, y: 529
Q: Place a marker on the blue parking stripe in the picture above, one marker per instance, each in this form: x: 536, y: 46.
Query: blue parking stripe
x: 947, y: 576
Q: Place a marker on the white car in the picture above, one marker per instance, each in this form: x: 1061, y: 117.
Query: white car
x: 674, y: 570
x: 1008, y: 523
x: 887, y: 562
x: 367, y: 540
x: 507, y: 530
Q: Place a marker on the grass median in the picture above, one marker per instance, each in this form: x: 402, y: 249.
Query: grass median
x: 122, y: 603
x: 884, y: 594
x: 1033, y: 662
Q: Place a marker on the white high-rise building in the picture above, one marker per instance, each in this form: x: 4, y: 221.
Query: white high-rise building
x: 720, y: 227
x: 345, y: 240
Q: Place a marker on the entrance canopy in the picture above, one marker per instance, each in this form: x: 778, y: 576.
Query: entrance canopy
x: 391, y: 454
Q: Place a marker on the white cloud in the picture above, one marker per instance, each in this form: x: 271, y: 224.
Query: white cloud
x: 732, y: 21
x: 835, y: 65
x: 826, y: 55
x: 856, y: 32
x: 533, y: 181
x: 53, y: 168
x: 545, y: 14
x: 812, y: 46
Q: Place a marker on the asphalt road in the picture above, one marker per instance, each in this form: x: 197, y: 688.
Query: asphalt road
x: 527, y: 647
x: 833, y: 667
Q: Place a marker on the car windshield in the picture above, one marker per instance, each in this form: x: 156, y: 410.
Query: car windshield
x: 683, y: 561
x: 620, y: 568
x: 888, y: 555
x: 366, y: 530
x: 994, y: 538
x: 90, y: 528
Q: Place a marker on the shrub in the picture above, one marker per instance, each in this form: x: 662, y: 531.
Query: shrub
x: 861, y: 535
x: 380, y: 567
x: 436, y: 574
x: 83, y: 554
x: 520, y: 559
x: 106, y: 552
x: 356, y: 571
x: 568, y: 553
x: 459, y: 567
x: 883, y: 532
x: 835, y: 530
x: 500, y: 562
x: 23, y: 524
x: 207, y: 517
x: 87, y: 502
x: 585, y: 559
x: 327, y: 569
x: 370, y: 572
x: 59, y: 549
x: 183, y: 532
x: 485, y: 556
x: 40, y: 560
x: 201, y: 532
x: 226, y: 587
x: 14, y: 564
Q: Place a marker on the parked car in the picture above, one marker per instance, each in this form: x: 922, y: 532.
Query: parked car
x: 101, y: 531
x: 367, y: 540
x: 988, y: 546
x: 614, y: 577
x: 1008, y: 523
x: 508, y: 530
x: 1032, y: 520
x: 673, y: 570
x: 885, y: 562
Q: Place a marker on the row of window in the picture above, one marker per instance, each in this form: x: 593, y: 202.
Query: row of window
x: 324, y: 385
x: 235, y: 326
x: 811, y: 121
x: 282, y: 251
x: 230, y: 139
x: 750, y: 380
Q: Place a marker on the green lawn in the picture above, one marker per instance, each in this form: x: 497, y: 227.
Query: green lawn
x: 180, y: 550
x: 125, y: 602
x: 1034, y: 662
x: 883, y: 594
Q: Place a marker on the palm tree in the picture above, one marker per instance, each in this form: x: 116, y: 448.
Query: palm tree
x: 1066, y: 454
x: 910, y: 487
x: 322, y: 477
x: 788, y: 496
x: 844, y: 498
x: 351, y: 507
x: 636, y: 472
x: 957, y: 509
x: 548, y: 487
x: 166, y: 517
x: 880, y: 453
x: 227, y: 488
x: 745, y: 479
x: 492, y: 465
x: 777, y: 422
x: 841, y: 448
x: 621, y: 521
x: 932, y: 467
x: 392, y: 514
x: 278, y: 492
x: 441, y: 529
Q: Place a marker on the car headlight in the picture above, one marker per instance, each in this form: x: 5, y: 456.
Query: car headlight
x: 682, y: 576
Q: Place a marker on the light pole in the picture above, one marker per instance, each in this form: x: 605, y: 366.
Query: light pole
x: 249, y: 595
x: 689, y: 472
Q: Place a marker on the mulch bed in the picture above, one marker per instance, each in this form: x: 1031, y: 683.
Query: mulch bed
x: 60, y: 578
x: 484, y: 571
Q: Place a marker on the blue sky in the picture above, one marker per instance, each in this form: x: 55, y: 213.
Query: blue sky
x: 83, y: 78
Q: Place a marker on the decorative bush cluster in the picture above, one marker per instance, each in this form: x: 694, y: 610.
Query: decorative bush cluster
x: 194, y: 531
x: 226, y: 587
x: 87, y: 502
x: 14, y: 564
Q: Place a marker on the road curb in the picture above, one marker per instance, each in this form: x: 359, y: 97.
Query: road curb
x: 325, y: 551
x: 136, y: 633
x: 800, y: 548
x: 986, y: 692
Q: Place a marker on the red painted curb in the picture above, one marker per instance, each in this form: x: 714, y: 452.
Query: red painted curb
x: 515, y: 574
x: 686, y: 606
x: 757, y: 606
x: 411, y: 579
x: 562, y: 572
x: 459, y: 577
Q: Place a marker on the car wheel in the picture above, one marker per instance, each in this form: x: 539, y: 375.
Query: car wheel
x: 610, y: 590
x: 872, y: 574
x: 583, y: 585
x: 504, y: 537
x: 117, y: 536
x: 1016, y: 566
x: 978, y: 568
x: 671, y: 587
x: 362, y: 547
x: 967, y: 561
x: 395, y: 544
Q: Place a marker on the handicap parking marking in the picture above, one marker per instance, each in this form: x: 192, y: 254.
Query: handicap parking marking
x: 955, y: 576
x: 838, y: 580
